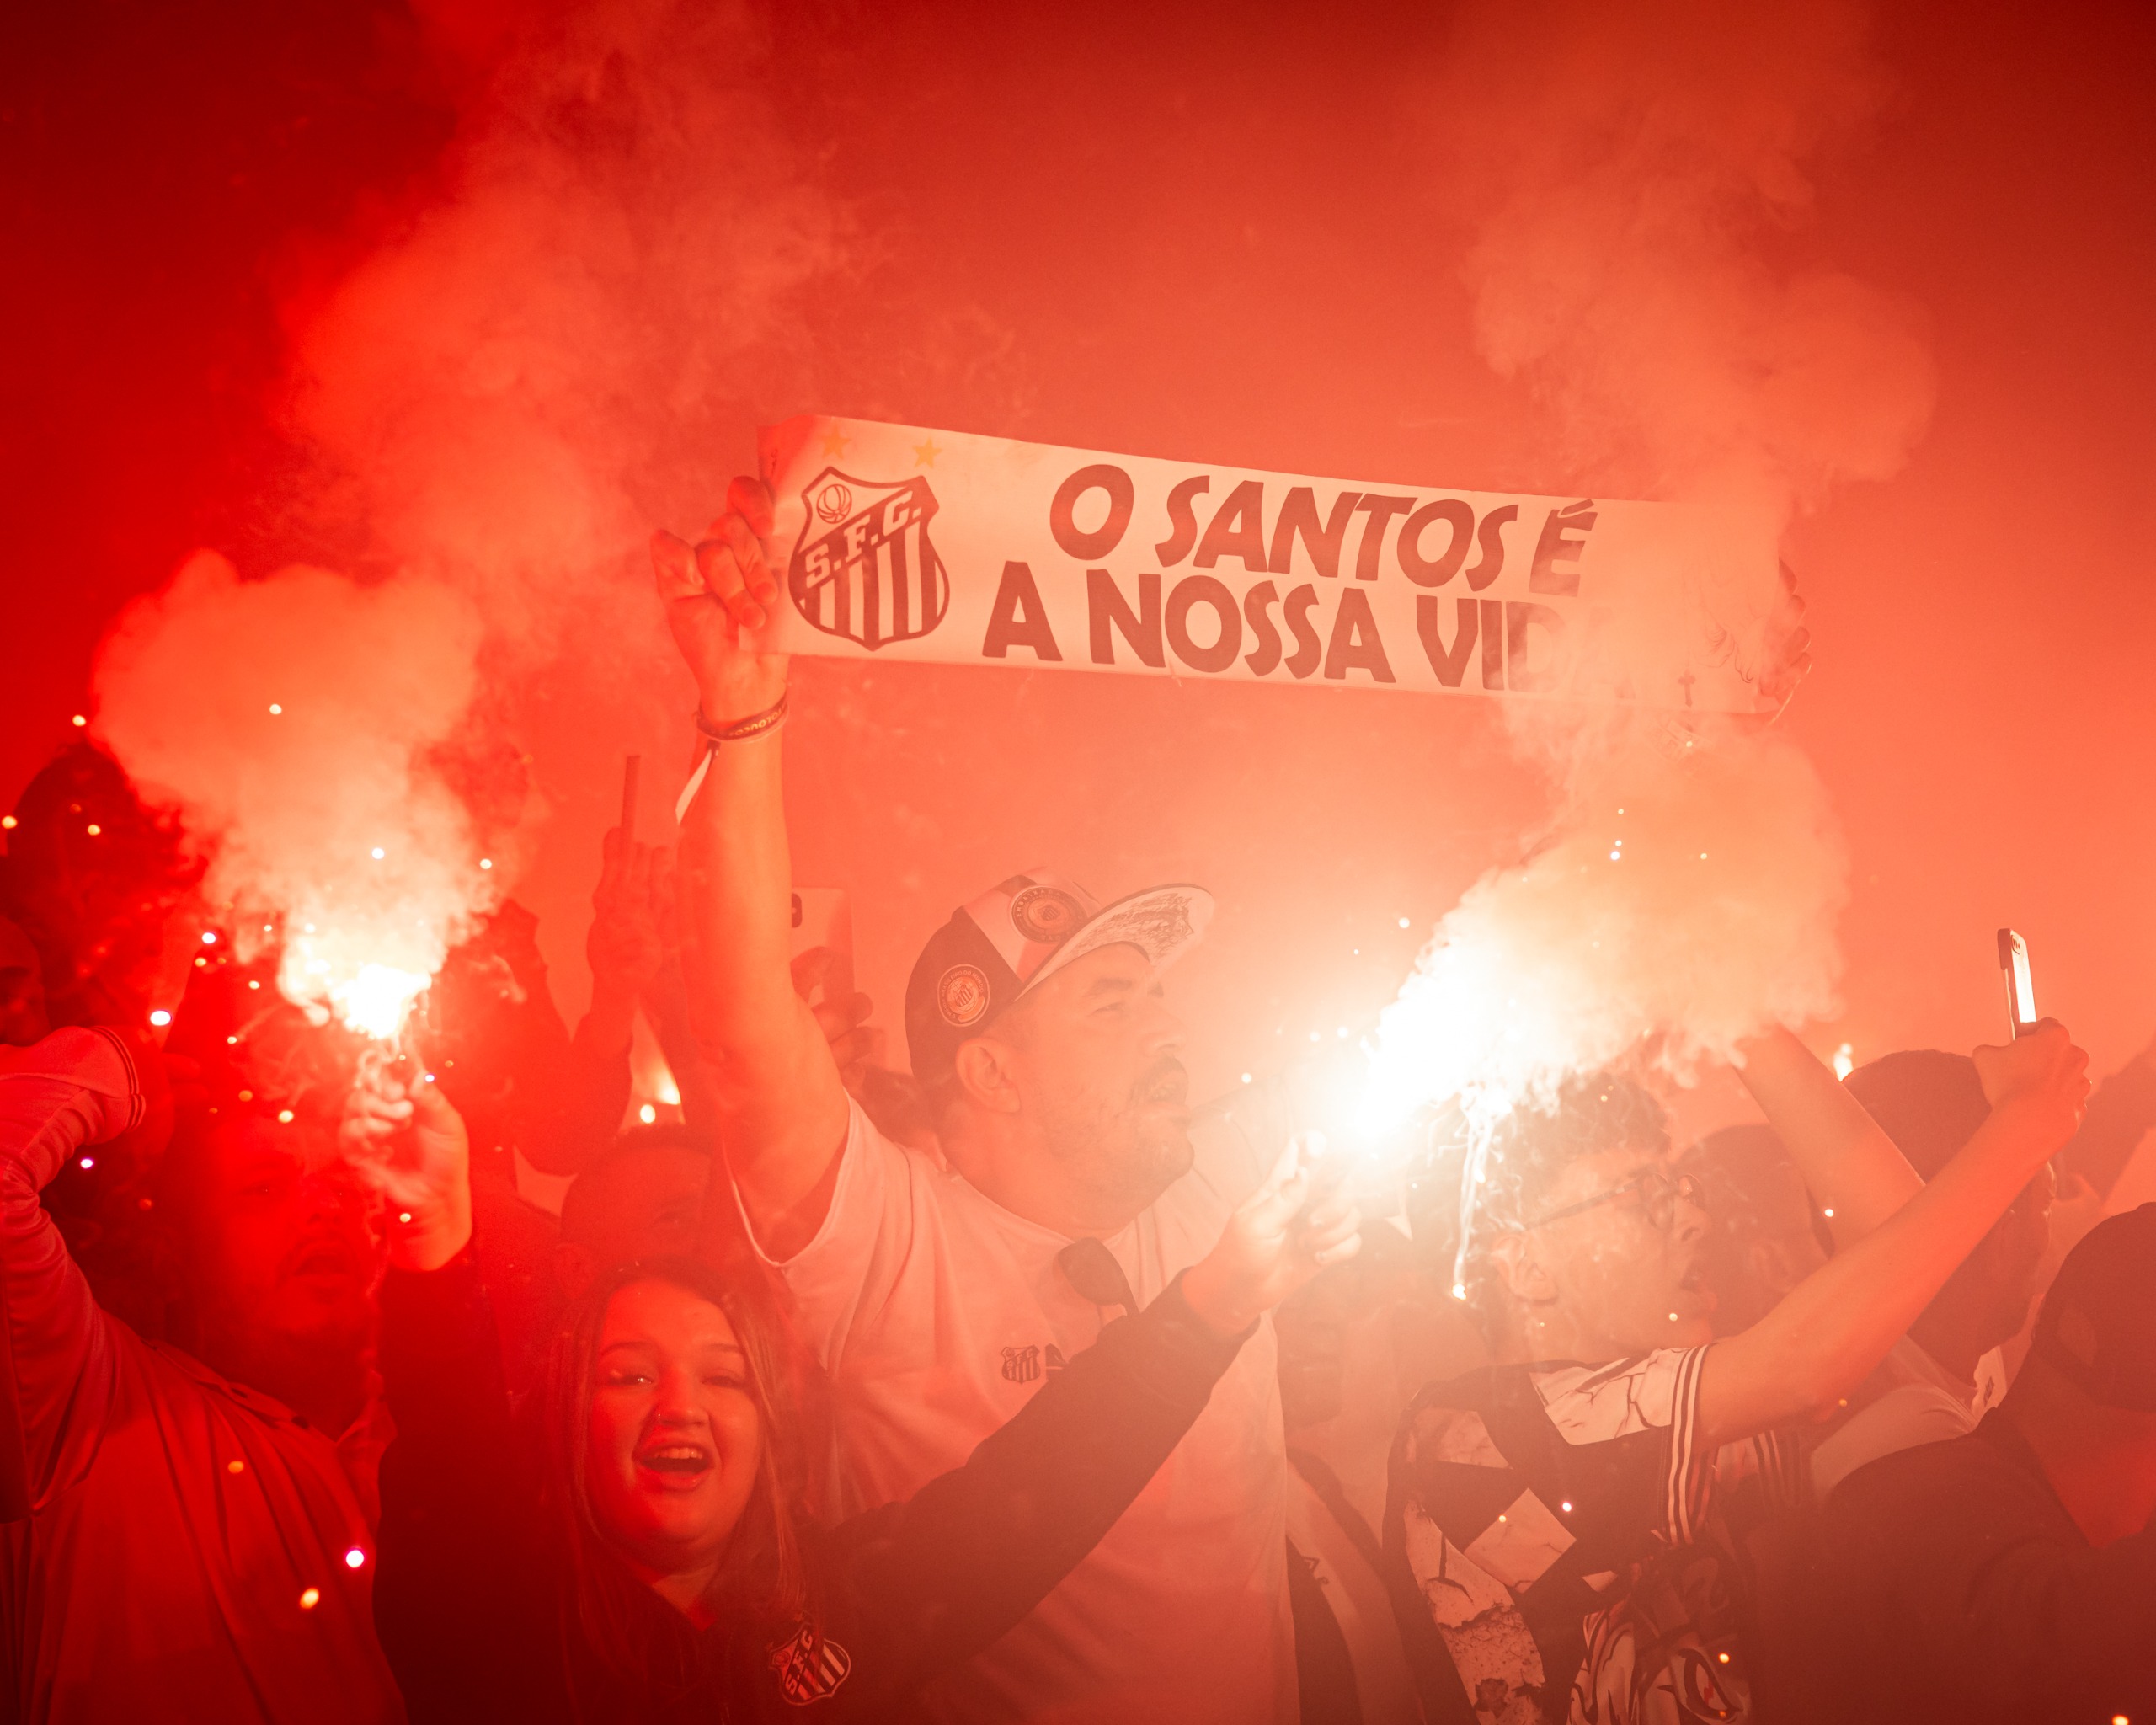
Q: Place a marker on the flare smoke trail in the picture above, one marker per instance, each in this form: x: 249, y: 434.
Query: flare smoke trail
x: 1639, y: 166
x: 496, y: 401
x: 290, y: 721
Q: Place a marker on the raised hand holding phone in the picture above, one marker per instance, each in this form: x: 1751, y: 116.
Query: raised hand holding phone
x: 2040, y: 1082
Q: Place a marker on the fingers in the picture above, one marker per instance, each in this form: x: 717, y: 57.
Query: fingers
x: 840, y: 1019
x: 429, y: 1106
x: 856, y: 1048
x: 811, y: 970
x: 1329, y: 1227
x: 673, y: 564
x: 1270, y: 1209
x: 1339, y: 1253
x: 748, y: 558
x: 372, y: 1116
x: 613, y: 864
x: 643, y: 860
x: 727, y: 581
x: 751, y: 500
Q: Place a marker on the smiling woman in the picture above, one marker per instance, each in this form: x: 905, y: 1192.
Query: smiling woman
x: 646, y: 1545
x: 674, y: 1446
x: 673, y: 1453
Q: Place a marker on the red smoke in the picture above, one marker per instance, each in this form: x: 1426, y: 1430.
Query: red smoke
x: 1213, y: 234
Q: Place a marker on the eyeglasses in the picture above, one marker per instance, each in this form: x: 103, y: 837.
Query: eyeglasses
x: 1659, y: 1190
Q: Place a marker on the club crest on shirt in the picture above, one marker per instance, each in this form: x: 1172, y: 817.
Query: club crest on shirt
x: 810, y: 1669
x: 1022, y: 1365
x: 864, y: 568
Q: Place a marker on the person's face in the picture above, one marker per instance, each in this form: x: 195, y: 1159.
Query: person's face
x: 1095, y: 1056
x: 283, y: 1256
x: 1626, y: 1275
x: 673, y: 1439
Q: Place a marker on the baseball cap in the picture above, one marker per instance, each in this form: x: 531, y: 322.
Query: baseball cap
x: 2098, y: 1325
x: 998, y: 947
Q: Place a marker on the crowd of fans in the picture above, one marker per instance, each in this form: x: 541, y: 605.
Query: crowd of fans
x: 1010, y: 1386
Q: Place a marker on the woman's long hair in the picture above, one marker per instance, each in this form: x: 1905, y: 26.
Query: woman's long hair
x: 641, y: 1643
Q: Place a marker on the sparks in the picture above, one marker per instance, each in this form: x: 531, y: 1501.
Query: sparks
x: 374, y: 1002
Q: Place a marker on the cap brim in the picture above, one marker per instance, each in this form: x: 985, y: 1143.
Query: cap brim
x: 1164, y: 922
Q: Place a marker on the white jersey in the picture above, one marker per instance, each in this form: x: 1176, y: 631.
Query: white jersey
x: 937, y: 1314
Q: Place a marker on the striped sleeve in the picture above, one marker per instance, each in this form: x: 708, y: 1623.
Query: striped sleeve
x: 1687, y: 1485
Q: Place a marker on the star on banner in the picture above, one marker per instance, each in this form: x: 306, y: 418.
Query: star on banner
x: 834, y: 441
x: 924, y: 454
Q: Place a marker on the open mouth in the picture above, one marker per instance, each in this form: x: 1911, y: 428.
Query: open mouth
x: 675, y: 1457
x: 324, y: 1257
x: 1170, y: 1088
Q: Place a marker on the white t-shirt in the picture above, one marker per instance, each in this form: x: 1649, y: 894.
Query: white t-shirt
x: 937, y: 1314
x: 1920, y: 1403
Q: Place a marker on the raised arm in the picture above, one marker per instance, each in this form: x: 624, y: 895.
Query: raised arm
x: 1853, y: 1169
x: 935, y: 1579
x: 1837, y: 1323
x: 785, y: 1110
x: 76, y: 1088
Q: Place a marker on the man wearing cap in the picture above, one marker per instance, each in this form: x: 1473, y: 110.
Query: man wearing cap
x: 941, y: 1288
x: 2011, y: 1574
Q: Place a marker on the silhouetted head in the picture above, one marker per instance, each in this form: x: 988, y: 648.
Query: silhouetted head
x: 2086, y: 1394
x: 1766, y: 1234
x: 23, y: 1017
x: 91, y: 873
x: 1931, y: 1104
x: 644, y: 1199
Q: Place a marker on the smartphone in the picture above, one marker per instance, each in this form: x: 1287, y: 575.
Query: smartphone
x: 2020, y: 988
x: 823, y: 917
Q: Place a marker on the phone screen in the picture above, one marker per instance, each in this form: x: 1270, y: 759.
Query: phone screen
x: 2024, y: 987
x: 2020, y: 983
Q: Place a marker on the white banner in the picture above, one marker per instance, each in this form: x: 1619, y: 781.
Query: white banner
x: 903, y: 542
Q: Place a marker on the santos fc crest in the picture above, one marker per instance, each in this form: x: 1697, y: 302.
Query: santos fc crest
x: 863, y: 568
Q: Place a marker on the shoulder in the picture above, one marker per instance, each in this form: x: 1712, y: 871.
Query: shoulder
x: 180, y: 1374
x: 1911, y: 1486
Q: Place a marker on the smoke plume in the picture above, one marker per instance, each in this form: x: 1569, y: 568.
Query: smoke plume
x: 290, y: 721
x: 542, y: 352
x: 1639, y: 178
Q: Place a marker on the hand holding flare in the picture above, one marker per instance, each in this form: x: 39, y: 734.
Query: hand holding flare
x: 405, y: 1140
x: 1271, y: 1248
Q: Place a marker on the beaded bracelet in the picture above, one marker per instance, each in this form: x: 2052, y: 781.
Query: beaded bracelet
x: 757, y: 725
